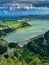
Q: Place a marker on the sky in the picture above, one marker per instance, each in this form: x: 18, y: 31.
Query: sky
x: 36, y: 10
x: 34, y: 2
x: 23, y: 0
x: 28, y: 0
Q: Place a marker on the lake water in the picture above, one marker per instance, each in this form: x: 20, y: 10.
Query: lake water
x: 38, y: 27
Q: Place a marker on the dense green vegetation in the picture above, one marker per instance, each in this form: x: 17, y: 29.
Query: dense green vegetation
x: 3, y: 49
x: 36, y: 52
x: 12, y: 45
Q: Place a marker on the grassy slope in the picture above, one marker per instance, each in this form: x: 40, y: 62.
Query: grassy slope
x: 12, y: 24
x: 23, y: 56
x: 26, y: 55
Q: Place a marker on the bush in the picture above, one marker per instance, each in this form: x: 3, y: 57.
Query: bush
x: 12, y: 45
x: 3, y: 49
x: 6, y: 56
x: 39, y: 40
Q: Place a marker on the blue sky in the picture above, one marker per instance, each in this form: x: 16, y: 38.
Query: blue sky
x: 34, y: 2
x: 34, y: 11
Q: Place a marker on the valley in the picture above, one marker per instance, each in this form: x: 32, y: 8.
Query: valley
x: 24, y: 42
x: 24, y: 32
x: 9, y: 26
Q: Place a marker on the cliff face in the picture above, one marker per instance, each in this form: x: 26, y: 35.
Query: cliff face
x: 40, y: 44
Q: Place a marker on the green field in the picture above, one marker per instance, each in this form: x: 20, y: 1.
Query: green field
x: 11, y: 24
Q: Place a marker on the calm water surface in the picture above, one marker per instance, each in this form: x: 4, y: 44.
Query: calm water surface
x: 38, y: 27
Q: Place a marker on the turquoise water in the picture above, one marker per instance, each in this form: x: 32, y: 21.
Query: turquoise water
x: 38, y: 27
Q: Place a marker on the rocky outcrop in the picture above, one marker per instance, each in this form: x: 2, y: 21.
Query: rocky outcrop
x: 25, y: 24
